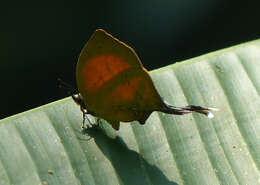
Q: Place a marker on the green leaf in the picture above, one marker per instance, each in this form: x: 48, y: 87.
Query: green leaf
x: 45, y: 145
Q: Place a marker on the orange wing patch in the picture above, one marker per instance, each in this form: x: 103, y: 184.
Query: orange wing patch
x: 126, y: 91
x: 101, y: 69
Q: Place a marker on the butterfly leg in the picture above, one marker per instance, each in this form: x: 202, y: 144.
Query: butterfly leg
x: 86, y: 117
x: 98, y: 121
x: 79, y: 100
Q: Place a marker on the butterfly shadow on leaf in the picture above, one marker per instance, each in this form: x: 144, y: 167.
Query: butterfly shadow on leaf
x: 130, y: 166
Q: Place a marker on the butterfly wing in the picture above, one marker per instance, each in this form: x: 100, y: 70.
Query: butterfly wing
x: 113, y: 82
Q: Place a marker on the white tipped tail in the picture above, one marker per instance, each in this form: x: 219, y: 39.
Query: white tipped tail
x: 210, y: 114
x: 170, y: 109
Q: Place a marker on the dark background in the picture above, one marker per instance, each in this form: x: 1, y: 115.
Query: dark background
x: 41, y: 42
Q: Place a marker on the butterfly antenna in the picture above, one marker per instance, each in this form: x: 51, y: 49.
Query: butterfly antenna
x: 66, y: 86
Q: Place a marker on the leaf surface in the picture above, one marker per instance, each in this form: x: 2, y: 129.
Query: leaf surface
x: 45, y: 145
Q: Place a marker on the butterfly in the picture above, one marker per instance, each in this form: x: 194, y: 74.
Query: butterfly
x: 114, y: 85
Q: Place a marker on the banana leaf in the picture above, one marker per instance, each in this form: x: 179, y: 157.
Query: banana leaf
x: 46, y: 145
